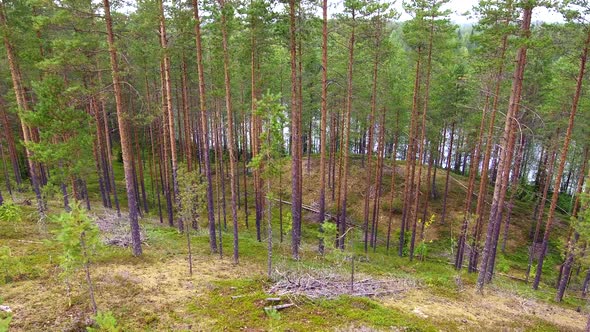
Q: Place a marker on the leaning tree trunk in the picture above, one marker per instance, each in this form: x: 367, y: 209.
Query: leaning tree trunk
x: 124, y: 134
x: 513, y: 191
x: 567, y: 265
x: 505, y: 158
x: 562, y: 160
x: 23, y: 106
x: 108, y: 149
x: 469, y: 197
x: 483, y: 182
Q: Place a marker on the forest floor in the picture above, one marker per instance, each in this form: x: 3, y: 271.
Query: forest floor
x: 155, y: 292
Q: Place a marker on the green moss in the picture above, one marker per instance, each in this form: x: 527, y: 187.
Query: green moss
x: 245, y: 310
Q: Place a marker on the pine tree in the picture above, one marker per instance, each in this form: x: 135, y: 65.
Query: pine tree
x: 23, y: 107
x: 123, y: 133
x: 324, y: 119
x: 295, y: 137
x: 230, y: 125
x: 505, y: 159
x: 204, y: 129
x: 562, y: 161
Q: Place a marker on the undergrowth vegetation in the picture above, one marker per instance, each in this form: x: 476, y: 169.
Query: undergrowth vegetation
x: 156, y: 292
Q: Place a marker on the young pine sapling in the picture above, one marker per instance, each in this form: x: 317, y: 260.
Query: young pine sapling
x: 78, y: 235
x: 192, y: 197
x: 270, y: 159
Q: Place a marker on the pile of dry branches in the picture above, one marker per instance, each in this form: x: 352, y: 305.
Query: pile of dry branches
x: 333, y: 285
x: 114, y: 230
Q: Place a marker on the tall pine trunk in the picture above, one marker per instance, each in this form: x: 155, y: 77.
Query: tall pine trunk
x: 124, y: 134
x: 323, y: 121
x: 505, y: 158
x: 469, y: 196
x: 562, y: 161
x: 204, y: 129
x: 345, y: 139
x: 8, y: 136
x: 230, y: 129
x: 410, y: 159
x: 393, y: 171
x: 567, y: 265
x: 295, y: 138
x: 369, y: 148
x: 421, y: 142
x: 513, y: 191
x: 483, y: 182
x: 169, y: 113
x: 23, y: 106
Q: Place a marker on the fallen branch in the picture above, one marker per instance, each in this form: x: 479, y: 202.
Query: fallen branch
x: 279, y: 307
x: 330, y: 286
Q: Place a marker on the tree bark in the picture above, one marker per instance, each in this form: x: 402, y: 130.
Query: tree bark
x: 323, y: 121
x: 469, y: 197
x: 188, y: 140
x: 421, y: 142
x: 562, y: 160
x: 410, y: 159
x: 513, y: 191
x: 567, y: 265
x: 230, y: 130
x: 204, y: 129
x: 483, y: 182
x: 378, y: 181
x: 295, y: 138
x: 12, y: 152
x: 169, y: 113
x: 345, y: 138
x: 448, y: 175
x: 369, y: 146
x: 23, y: 106
x: 123, y: 132
x: 505, y: 158
x: 393, y: 171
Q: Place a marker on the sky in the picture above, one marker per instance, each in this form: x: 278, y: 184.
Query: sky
x: 459, y: 7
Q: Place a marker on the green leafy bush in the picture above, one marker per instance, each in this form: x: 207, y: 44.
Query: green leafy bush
x: 10, y: 212
x: 502, y: 264
x: 104, y: 322
x: 5, y: 321
x: 10, y: 266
